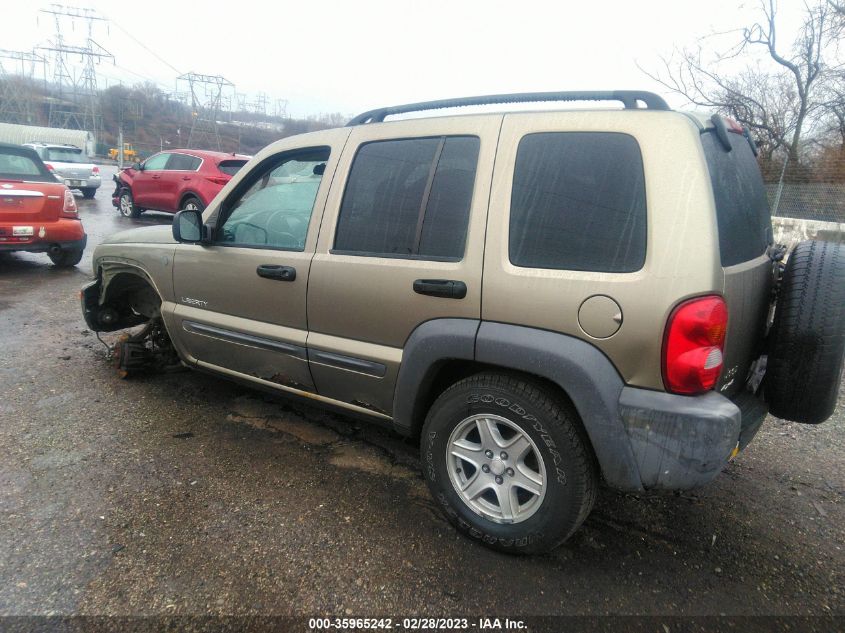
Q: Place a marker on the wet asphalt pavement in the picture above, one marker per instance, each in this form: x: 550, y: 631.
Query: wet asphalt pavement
x: 186, y: 494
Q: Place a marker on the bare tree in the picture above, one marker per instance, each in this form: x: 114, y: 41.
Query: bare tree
x: 775, y: 103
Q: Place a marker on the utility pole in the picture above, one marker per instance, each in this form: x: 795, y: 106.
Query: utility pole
x: 17, y: 88
x: 120, y: 147
x: 206, y: 102
x: 127, y: 110
x: 77, y: 105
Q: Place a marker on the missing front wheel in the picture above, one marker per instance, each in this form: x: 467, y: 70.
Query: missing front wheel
x: 148, y: 350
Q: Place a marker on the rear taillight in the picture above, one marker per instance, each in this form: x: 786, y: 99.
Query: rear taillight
x: 95, y: 171
x: 694, y: 344
x: 69, y: 207
x: 49, y: 166
x: 218, y: 180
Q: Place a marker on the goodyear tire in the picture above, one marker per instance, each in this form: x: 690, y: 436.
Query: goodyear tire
x: 807, y: 346
x: 508, y: 463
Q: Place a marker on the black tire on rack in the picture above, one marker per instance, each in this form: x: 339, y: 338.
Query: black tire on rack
x: 807, y: 341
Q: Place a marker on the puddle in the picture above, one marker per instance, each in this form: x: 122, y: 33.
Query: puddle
x: 345, y: 453
x: 360, y: 456
x: 267, y: 415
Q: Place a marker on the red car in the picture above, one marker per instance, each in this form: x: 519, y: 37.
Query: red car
x: 37, y: 213
x: 174, y: 180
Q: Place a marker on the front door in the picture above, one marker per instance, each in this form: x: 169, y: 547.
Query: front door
x: 146, y: 185
x: 241, y: 299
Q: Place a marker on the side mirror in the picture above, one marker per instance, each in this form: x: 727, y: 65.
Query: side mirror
x: 138, y: 166
x: 188, y: 227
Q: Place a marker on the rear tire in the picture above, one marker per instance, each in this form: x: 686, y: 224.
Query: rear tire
x: 66, y: 259
x: 126, y: 204
x: 804, y: 370
x: 537, y: 483
x: 88, y: 192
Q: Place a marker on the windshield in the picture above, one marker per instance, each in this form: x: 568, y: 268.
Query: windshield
x: 66, y: 155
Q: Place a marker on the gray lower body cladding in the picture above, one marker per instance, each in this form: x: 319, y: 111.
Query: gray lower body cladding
x: 680, y: 442
x: 641, y: 438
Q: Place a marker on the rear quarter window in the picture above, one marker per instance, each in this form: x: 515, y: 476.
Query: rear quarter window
x: 742, y: 210
x: 231, y: 167
x: 578, y: 203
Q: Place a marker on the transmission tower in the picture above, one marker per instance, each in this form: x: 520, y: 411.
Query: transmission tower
x: 17, y: 87
x: 77, y: 104
x: 281, y: 108
x: 260, y: 104
x: 206, y: 101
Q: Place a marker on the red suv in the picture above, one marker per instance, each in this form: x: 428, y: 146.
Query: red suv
x: 37, y: 213
x: 174, y: 180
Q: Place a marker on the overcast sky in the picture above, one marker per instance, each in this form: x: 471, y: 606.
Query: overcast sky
x: 348, y: 56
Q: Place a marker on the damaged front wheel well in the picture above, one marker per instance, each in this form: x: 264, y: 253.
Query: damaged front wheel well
x: 127, y: 299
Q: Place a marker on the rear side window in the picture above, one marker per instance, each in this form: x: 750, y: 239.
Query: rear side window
x: 578, y: 203
x: 183, y: 162
x: 742, y: 210
x: 409, y: 197
x: 231, y: 167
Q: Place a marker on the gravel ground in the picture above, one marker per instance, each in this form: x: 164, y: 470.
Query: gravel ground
x: 184, y: 494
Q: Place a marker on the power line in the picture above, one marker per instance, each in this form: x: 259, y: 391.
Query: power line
x: 150, y: 51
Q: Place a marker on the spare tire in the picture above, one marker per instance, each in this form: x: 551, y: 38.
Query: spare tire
x: 807, y: 340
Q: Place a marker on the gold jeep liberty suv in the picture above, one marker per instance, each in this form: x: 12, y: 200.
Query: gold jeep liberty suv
x: 545, y: 299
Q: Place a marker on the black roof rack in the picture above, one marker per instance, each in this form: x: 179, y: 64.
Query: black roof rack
x: 629, y: 99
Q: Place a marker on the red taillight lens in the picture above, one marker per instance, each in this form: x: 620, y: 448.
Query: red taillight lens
x: 694, y: 344
x: 69, y: 207
x: 219, y: 180
x: 49, y: 166
x: 95, y: 171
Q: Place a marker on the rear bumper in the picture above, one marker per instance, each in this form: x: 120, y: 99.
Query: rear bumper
x: 84, y: 183
x: 42, y: 246
x: 681, y: 442
x: 67, y: 233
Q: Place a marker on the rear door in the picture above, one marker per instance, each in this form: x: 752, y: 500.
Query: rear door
x: 241, y: 300
x: 179, y: 176
x: 146, y: 183
x: 745, y: 233
x: 407, y: 213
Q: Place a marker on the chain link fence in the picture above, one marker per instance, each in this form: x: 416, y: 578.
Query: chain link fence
x: 807, y: 199
x: 811, y: 190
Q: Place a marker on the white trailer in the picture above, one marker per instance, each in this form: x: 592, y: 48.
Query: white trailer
x: 15, y: 133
